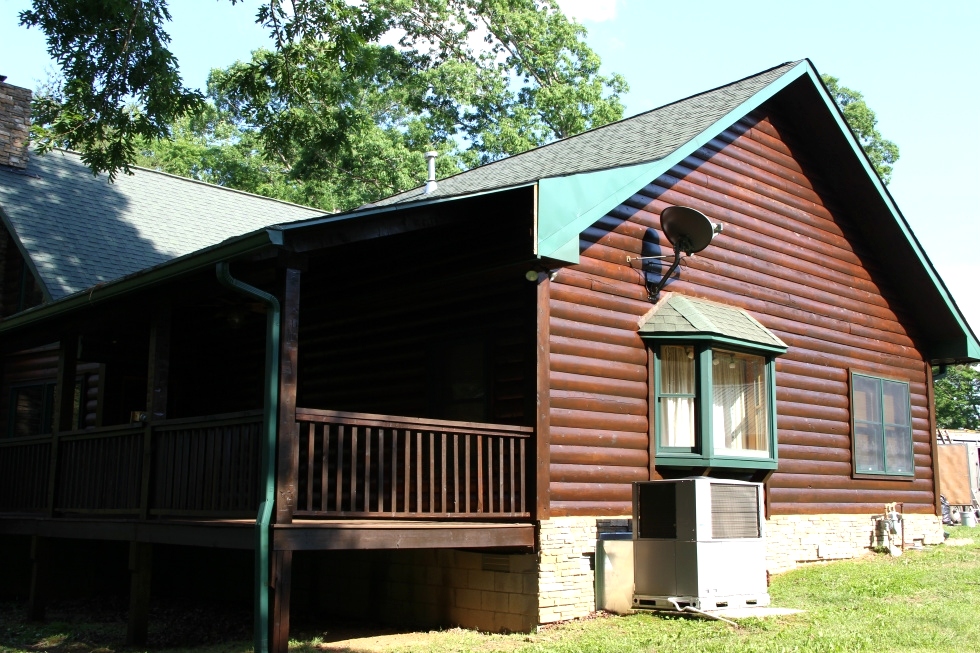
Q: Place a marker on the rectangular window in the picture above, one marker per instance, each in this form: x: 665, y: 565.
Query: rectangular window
x: 881, y: 426
x: 677, y: 397
x: 740, y: 413
x: 32, y: 409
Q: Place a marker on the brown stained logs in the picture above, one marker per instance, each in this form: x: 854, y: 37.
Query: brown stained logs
x: 598, y: 403
x: 575, y: 455
x: 599, y: 385
x: 790, y: 257
x: 604, y: 438
x: 596, y: 472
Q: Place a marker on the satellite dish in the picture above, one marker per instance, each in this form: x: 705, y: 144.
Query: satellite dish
x: 687, y: 229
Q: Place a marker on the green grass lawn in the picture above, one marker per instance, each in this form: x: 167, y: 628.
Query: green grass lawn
x: 923, y: 601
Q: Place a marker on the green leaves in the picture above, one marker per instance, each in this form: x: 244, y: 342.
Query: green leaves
x: 958, y: 398
x: 348, y: 101
x: 121, y: 83
x: 881, y: 152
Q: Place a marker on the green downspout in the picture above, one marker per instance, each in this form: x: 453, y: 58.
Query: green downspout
x: 263, y: 520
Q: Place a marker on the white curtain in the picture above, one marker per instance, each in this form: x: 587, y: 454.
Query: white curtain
x: 739, y: 412
x: 677, y: 412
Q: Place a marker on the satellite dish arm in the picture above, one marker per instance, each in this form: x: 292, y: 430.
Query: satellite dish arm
x: 653, y: 292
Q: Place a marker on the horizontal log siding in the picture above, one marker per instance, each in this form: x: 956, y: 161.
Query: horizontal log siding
x: 789, y: 257
x: 463, y: 287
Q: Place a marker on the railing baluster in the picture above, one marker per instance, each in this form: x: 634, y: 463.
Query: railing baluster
x: 310, y: 466
x: 432, y: 471
x: 367, y: 469
x: 500, y: 474
x: 381, y: 470
x: 455, y: 472
x: 394, y: 470
x: 479, y: 473
x: 354, y: 436
x: 325, y: 467
x: 523, y: 476
x: 513, y: 489
x: 467, y: 471
x: 340, y: 468
x: 442, y: 478
x: 418, y: 471
x: 408, y: 471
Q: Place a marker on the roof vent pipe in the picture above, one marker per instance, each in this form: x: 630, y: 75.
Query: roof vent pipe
x: 430, y: 184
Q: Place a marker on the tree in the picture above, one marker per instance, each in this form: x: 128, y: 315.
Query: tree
x: 958, y: 398
x: 339, y: 97
x: 882, y: 152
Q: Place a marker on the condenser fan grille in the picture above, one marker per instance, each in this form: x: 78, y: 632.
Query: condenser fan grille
x: 734, y: 511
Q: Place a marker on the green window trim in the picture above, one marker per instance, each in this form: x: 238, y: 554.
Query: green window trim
x: 898, y: 461
x: 704, y: 453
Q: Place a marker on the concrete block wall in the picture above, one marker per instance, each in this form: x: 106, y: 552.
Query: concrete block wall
x: 15, y: 125
x: 792, y: 540
x: 566, y: 569
x: 488, y: 592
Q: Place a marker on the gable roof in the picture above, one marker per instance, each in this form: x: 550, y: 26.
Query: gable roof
x: 692, y: 319
x: 642, y: 138
x: 78, y: 230
x: 576, y: 182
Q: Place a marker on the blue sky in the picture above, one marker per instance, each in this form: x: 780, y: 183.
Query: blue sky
x: 914, y: 62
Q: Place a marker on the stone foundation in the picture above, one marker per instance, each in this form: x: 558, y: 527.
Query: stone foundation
x: 792, y: 540
x: 566, y: 568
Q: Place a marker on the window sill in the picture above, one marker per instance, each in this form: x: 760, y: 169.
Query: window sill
x: 881, y: 476
x: 680, y: 460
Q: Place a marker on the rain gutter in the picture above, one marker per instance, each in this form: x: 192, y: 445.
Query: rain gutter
x: 263, y: 520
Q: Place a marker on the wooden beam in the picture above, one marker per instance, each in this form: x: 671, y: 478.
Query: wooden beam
x: 64, y: 404
x: 39, y: 578
x: 140, y: 574
x: 350, y: 535
x: 157, y: 385
x: 281, y: 586
x: 288, y: 446
x: 934, y: 445
x: 542, y: 420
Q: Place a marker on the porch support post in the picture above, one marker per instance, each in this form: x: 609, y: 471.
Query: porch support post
x: 282, y: 578
x: 39, y: 578
x: 157, y: 379
x: 933, y: 433
x: 288, y: 445
x: 140, y: 572
x: 542, y: 421
x: 64, y: 405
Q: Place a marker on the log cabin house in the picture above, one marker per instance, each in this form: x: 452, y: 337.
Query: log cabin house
x: 447, y: 394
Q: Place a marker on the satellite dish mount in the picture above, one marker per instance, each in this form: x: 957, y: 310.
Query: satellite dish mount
x: 689, y: 231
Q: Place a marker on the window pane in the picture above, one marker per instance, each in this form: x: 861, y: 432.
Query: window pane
x: 895, y: 400
x: 28, y: 404
x: 898, y: 449
x: 677, y: 370
x: 866, y: 407
x: 740, y: 416
x: 677, y: 422
x: 868, y: 452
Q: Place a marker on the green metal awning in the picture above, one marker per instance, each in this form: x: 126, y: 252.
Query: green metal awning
x: 678, y: 317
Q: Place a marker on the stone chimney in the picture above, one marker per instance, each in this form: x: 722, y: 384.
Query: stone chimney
x: 15, y: 124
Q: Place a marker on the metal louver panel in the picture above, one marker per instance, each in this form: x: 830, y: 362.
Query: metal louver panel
x: 734, y: 511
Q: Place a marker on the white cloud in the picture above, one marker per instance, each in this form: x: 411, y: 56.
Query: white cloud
x: 595, y: 11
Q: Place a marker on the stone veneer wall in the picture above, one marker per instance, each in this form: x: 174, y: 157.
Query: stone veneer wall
x: 15, y: 125
x: 795, y: 539
x: 566, y: 569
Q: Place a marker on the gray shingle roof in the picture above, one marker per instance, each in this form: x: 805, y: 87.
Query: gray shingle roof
x: 678, y: 316
x: 642, y: 138
x: 80, y: 231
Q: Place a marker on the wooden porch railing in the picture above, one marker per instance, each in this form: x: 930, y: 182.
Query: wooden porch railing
x: 363, y: 465
x: 195, y: 467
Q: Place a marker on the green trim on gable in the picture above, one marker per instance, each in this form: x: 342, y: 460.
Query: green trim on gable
x: 569, y: 205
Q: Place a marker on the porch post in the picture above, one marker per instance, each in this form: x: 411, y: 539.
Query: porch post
x: 288, y: 446
x: 542, y: 421
x: 281, y: 582
x: 140, y: 572
x: 64, y: 404
x: 39, y: 578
